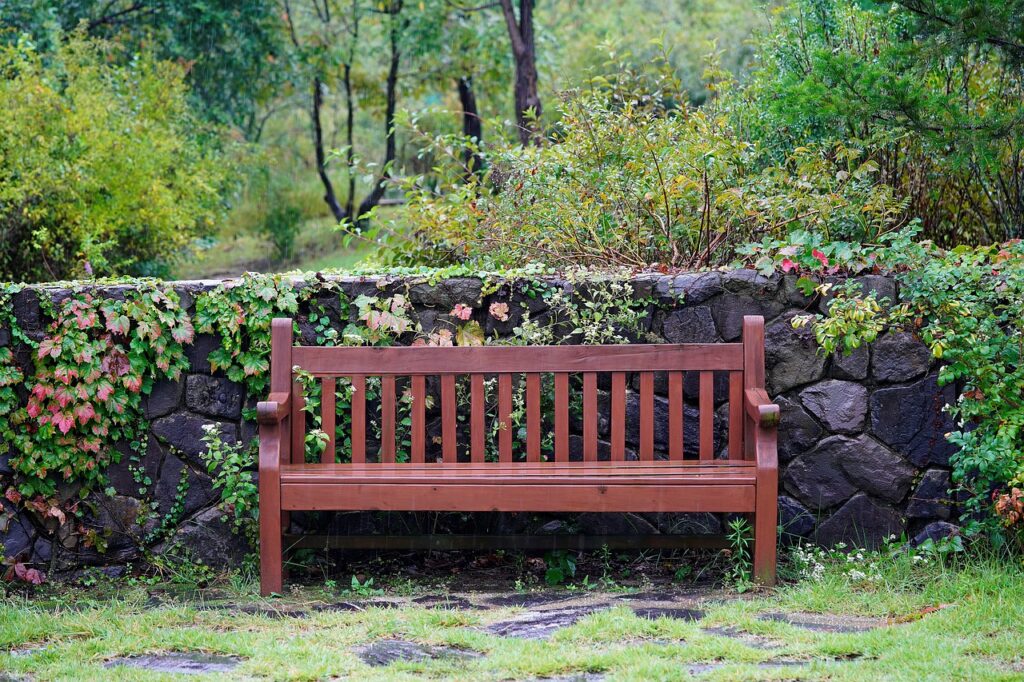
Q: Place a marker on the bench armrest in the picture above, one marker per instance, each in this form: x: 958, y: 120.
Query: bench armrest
x: 760, y: 408
x: 273, y: 409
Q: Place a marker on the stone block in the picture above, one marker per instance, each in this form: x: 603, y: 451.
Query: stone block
x: 899, y: 356
x: 214, y: 396
x: 911, y: 420
x: 861, y: 522
x: 840, y: 405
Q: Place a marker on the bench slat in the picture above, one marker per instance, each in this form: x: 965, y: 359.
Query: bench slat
x: 618, y: 416
x: 533, y: 418
x: 707, y: 415
x: 590, y: 417
x: 327, y: 416
x: 561, y: 417
x: 735, y: 415
x: 358, y: 419
x: 404, y: 361
x: 449, y: 413
x: 387, y: 418
x: 676, y: 409
x: 417, y: 439
x: 505, y: 417
x: 478, y: 428
x: 298, y: 423
x: 646, y: 416
x: 539, y: 496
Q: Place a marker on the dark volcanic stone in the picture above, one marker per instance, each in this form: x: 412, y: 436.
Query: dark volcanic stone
x: 794, y: 518
x: 874, y: 468
x: 911, y: 420
x: 25, y: 305
x: 797, y: 432
x: 594, y: 523
x: 210, y: 540
x: 541, y: 624
x: 690, y: 325
x: 199, y: 350
x: 728, y: 311
x: 692, y: 287
x: 840, y: 405
x: 214, y: 396
x: 824, y: 623
x: 529, y: 599
x: 691, y: 425
x: 198, y: 494
x: 178, y: 663
x: 853, y: 366
x: 861, y: 522
x: 387, y: 651
x: 185, y: 432
x: 792, y: 355
x: 898, y: 356
x: 935, y: 531
x: 931, y: 498
x: 164, y: 398
x: 816, y: 479
x: 654, y: 613
x: 16, y: 533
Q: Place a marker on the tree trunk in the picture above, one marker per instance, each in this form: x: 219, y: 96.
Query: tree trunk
x: 321, y: 157
x: 524, y: 51
x: 472, y: 126
x: 377, y: 193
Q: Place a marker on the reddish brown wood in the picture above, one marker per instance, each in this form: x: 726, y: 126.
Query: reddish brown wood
x: 618, y: 416
x: 449, y: 415
x: 676, y: 410
x: 417, y: 439
x: 536, y: 497
x: 646, y: 416
x: 505, y: 417
x: 327, y: 416
x: 561, y: 417
x: 297, y: 423
x: 590, y: 416
x: 478, y: 429
x: 753, y: 371
x: 706, y: 406
x: 387, y: 418
x: 404, y: 361
x: 533, y: 422
x: 271, y: 559
x: 358, y: 418
x: 735, y: 415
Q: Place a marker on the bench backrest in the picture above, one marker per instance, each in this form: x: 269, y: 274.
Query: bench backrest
x: 568, y: 398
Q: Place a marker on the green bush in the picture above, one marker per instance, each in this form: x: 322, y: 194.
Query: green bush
x: 104, y: 169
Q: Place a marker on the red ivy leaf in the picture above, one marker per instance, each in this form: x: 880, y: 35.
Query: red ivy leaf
x: 63, y: 421
x: 13, y: 496
x: 84, y: 412
x: 29, y: 575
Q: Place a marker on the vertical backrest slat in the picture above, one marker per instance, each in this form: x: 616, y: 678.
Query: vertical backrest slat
x: 449, y: 410
x: 387, y: 419
x: 753, y: 371
x: 358, y: 419
x: 298, y: 423
x: 533, y: 423
x: 618, y: 416
x: 417, y: 440
x: 646, y: 416
x: 327, y: 416
x: 735, y: 415
x: 478, y: 429
x: 590, y: 416
x: 561, y: 417
x: 505, y: 417
x: 676, y: 410
x: 707, y: 414
x: 281, y: 365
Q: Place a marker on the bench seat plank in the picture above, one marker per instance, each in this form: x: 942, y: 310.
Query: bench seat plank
x: 542, y: 495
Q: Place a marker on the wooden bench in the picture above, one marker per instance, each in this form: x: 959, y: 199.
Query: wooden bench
x: 741, y: 475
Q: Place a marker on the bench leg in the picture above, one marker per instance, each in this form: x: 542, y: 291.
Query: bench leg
x: 271, y: 558
x: 765, y: 536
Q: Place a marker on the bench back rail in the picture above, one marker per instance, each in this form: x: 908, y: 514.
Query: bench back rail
x: 388, y: 394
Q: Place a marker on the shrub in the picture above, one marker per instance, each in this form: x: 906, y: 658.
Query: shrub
x: 103, y: 168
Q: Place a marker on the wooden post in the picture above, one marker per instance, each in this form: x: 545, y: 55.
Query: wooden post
x: 274, y: 439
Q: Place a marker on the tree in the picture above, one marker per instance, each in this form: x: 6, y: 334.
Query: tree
x: 230, y: 50
x: 120, y: 175
x: 524, y: 52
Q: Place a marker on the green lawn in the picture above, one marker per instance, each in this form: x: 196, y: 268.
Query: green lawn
x: 937, y: 620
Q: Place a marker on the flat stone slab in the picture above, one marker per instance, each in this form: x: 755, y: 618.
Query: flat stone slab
x: 445, y: 601
x: 751, y: 640
x: 178, y: 663
x: 528, y: 599
x: 387, y: 651
x: 705, y: 668
x: 654, y: 613
x: 823, y: 622
x: 541, y: 624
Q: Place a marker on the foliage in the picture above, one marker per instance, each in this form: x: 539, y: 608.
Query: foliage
x: 231, y: 467
x: 740, y: 536
x: 119, y: 176
x: 98, y: 358
x: 932, y: 92
x: 560, y: 567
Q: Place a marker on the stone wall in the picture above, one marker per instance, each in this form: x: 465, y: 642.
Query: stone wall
x: 860, y: 442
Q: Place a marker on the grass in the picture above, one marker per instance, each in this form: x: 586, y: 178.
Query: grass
x: 954, y: 619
